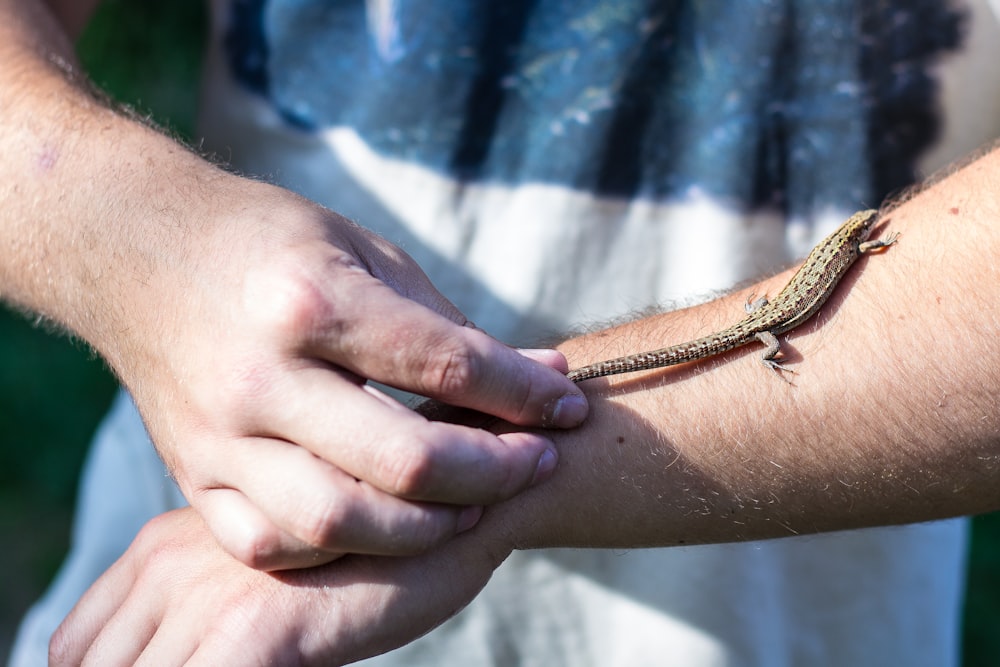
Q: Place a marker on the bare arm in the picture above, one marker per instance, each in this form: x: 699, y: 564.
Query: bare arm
x: 893, y: 418
x: 245, y: 321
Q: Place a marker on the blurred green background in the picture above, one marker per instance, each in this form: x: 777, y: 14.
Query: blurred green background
x: 53, y: 391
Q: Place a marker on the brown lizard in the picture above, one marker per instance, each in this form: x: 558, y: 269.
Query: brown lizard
x: 799, y: 300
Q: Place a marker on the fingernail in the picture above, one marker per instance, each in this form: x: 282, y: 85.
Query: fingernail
x: 468, y: 519
x: 546, y: 357
x: 546, y: 466
x: 569, y: 411
x: 537, y: 353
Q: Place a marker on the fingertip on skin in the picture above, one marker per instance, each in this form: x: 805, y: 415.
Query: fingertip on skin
x: 546, y: 466
x: 568, y: 411
x: 241, y: 529
x: 546, y: 459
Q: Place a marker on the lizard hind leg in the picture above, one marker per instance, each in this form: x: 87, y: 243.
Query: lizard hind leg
x: 771, y: 351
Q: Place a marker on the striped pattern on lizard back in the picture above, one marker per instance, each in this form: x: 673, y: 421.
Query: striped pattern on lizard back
x: 799, y: 300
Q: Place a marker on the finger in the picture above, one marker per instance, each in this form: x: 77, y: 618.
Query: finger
x: 381, y: 335
x: 173, y: 642
x: 177, y: 568
x: 392, y: 266
x: 218, y: 649
x: 265, y: 621
x: 79, y: 630
x: 399, y: 451
x: 107, y: 626
x: 244, y: 531
x: 124, y: 636
x: 328, y: 514
x: 402, y: 598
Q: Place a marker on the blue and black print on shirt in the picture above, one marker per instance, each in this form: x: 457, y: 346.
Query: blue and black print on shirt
x: 790, y: 104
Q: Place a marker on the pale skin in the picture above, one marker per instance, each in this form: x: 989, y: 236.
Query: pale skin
x: 245, y: 321
x: 892, y: 418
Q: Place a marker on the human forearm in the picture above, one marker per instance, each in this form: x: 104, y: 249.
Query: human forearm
x: 74, y: 171
x: 891, y: 417
x: 245, y: 322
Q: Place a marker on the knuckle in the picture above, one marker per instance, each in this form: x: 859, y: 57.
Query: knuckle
x: 450, y: 370
x: 294, y: 299
x: 155, y: 543
x: 323, y: 524
x: 406, y: 472
x: 297, y: 306
x: 255, y: 550
x: 256, y: 544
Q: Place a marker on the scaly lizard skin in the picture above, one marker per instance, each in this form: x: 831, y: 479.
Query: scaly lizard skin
x: 808, y: 289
